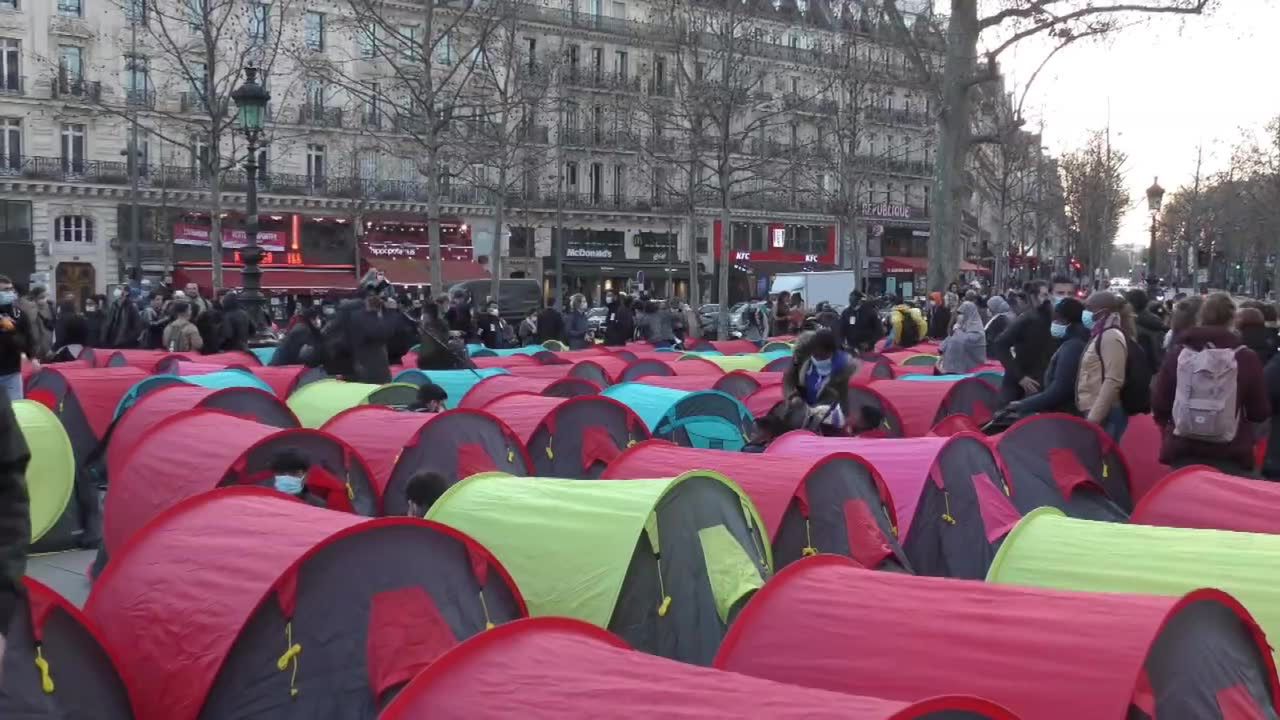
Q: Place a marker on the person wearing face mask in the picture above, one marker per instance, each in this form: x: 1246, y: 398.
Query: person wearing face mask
x: 123, y: 322
x: 368, y: 328
x: 1104, y: 364
x: 303, y: 344
x: 1025, y: 346
x: 289, y: 470
x: 619, y: 326
x: 1059, y: 390
x: 492, y: 327
x: 575, y: 323
x: 15, y: 340
x: 819, y: 378
x: 527, y: 332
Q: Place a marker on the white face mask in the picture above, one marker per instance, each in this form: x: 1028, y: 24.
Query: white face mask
x: 117, y: 293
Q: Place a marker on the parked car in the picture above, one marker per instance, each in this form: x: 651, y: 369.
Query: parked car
x: 595, y: 320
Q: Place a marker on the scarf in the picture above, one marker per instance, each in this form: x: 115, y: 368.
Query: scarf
x: 1103, y: 322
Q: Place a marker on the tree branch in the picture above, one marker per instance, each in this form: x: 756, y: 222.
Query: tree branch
x: 1057, y: 21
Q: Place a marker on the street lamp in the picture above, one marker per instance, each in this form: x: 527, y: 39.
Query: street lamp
x: 251, y: 102
x: 1155, y: 196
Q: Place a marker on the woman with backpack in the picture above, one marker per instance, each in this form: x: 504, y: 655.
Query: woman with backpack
x: 1103, y: 366
x: 1209, y: 389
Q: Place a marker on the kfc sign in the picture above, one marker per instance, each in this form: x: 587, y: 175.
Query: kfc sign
x: 811, y: 258
x: 742, y: 255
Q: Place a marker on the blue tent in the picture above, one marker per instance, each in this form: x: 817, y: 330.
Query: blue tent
x: 264, y: 354
x: 526, y: 350
x: 473, y: 348
x: 216, y: 380
x: 991, y: 376
x: 456, y: 383
x: 702, y: 419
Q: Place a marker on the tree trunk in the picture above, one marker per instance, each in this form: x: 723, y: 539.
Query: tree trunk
x: 953, y: 145
x: 215, y: 232
x: 724, y: 266
x: 695, y: 290
x: 499, y: 219
x: 433, y: 222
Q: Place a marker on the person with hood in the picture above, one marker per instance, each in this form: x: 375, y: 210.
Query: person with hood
x: 434, y: 349
x: 528, y: 328
x: 1254, y: 333
x: 303, y: 344
x: 181, y: 335
x: 123, y: 322
x: 619, y: 327
x: 1025, y: 345
x: 576, y: 327
x: 1101, y: 377
x: 1150, y: 328
x: 660, y: 324
x: 860, y: 324
x: 907, y: 327
x: 1059, y: 393
x: 1001, y: 316
x: 369, y: 327
x: 1253, y: 405
x: 966, y: 347
x: 939, y: 317
x: 459, y: 315
x: 237, y: 327
x: 550, y: 325
x: 819, y: 376
x: 492, y: 327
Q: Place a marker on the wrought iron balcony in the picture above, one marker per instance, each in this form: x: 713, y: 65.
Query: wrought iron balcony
x: 140, y: 97
x: 320, y: 116
x: 74, y: 87
x: 898, y: 116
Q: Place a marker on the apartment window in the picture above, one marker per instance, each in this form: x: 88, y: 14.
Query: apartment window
x: 620, y: 10
x: 313, y: 27
x: 259, y: 15
x: 315, y: 164
x: 263, y: 166
x: 597, y: 183
x: 199, y: 72
x: 570, y: 119
x: 71, y: 8
x: 73, y: 151
x: 889, y: 191
x: 597, y: 63
x: 659, y: 183
x: 135, y: 11
x: 201, y: 158
x: 10, y: 65
x: 71, y: 62
x: 8, y: 4
x: 317, y: 94
x: 197, y: 11
x: 660, y: 74
x: 10, y: 143
x: 593, y: 7
x: 369, y: 167
x: 73, y: 228
x: 572, y: 55
x: 367, y: 39
x: 411, y: 39
x: 372, y: 114
x: 597, y: 124
x: 445, y: 53
x: 137, y: 80
x: 795, y: 86
x: 532, y: 50
x: 619, y: 184
x: 571, y: 176
x: 620, y: 64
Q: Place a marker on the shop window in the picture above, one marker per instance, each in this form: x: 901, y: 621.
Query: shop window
x: 73, y: 228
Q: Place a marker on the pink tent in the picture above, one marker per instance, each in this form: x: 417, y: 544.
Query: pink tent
x: 912, y: 408
x: 680, y: 382
x: 1140, y: 445
x: 570, y: 437
x: 495, y: 386
x: 1201, y: 497
x: 950, y: 494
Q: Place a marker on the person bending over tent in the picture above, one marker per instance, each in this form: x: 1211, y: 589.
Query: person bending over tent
x: 422, y: 490
x: 431, y: 398
x: 818, y: 380
x: 766, y: 429
x: 290, y: 471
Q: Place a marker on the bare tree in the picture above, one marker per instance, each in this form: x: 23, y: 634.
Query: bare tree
x: 194, y: 51
x: 975, y: 42
x: 1096, y: 198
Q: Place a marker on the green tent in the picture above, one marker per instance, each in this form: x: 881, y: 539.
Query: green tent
x: 316, y: 403
x: 665, y: 564
x: 776, y: 346
x: 51, y: 475
x: 729, y: 363
x: 456, y: 383
x: 1049, y: 549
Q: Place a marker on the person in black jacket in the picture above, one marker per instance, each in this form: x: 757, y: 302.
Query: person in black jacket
x: 15, y: 517
x: 1059, y: 393
x: 237, y: 328
x: 302, y: 344
x: 860, y: 325
x: 1024, y: 348
x: 550, y: 325
x: 459, y: 315
x: 368, y: 328
x: 619, y: 325
x: 1000, y: 317
x: 1151, y: 329
x: 1271, y: 462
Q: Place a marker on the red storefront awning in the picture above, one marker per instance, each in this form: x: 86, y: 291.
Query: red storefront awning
x: 902, y: 263
x: 409, y: 271
x: 966, y: 266
x: 292, y: 278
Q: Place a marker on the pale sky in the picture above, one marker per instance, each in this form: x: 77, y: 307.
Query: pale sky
x: 1170, y: 85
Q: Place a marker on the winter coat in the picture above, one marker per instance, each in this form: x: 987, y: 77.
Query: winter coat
x: 1271, y: 463
x: 1261, y: 340
x: 1101, y: 375
x: 939, y: 322
x: 619, y: 326
x: 1251, y: 399
x: 963, y: 351
x: 367, y: 333
x: 836, y: 391
x: 661, y: 327
x: 550, y: 326
x: 1150, y: 338
x: 123, y: 324
x: 1058, y: 392
x: 301, y: 345
x: 860, y: 327
x: 576, y: 328
x: 15, y: 517
x: 905, y: 314
x: 182, y: 336
x: 15, y: 339
x: 1025, y: 346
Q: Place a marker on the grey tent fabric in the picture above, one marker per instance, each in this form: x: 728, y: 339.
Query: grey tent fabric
x: 1068, y: 463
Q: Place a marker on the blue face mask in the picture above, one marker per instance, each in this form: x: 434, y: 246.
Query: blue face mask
x: 822, y: 366
x: 288, y: 484
x: 1087, y: 319
x: 8, y: 297
x: 1058, y: 330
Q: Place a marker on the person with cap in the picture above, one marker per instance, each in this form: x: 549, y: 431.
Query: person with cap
x: 1101, y: 377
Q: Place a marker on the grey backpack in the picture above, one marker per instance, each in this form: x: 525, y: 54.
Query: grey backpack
x: 1204, y: 403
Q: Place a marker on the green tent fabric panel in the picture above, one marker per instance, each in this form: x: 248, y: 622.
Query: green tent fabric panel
x: 229, y: 378
x: 650, y: 402
x: 456, y: 383
x: 316, y: 403
x: 731, y: 572
x: 729, y: 363
x: 566, y: 543
x: 51, y: 474
x: 1049, y: 549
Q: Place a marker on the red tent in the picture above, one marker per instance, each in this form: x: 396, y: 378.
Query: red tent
x: 284, y: 379
x: 741, y: 383
x: 455, y: 443
x: 831, y: 503
x: 693, y: 383
x: 950, y: 494
x: 495, y: 386
x: 824, y: 623
x: 604, y: 369
x: 1140, y: 445
x: 911, y: 407
x: 243, y: 603
x: 140, y: 359
x: 86, y: 398
x: 735, y: 347
x: 1201, y: 497
x: 198, y: 450
x: 500, y: 361
x: 570, y: 437
x: 691, y: 365
x: 543, y: 371
x: 641, y: 367
x: 762, y: 401
x: 574, y: 670
x: 162, y: 404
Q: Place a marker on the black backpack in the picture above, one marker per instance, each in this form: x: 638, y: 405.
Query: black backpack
x: 1135, y: 396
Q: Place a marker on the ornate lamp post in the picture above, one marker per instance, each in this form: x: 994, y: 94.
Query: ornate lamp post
x: 1155, y: 196
x: 251, y: 102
